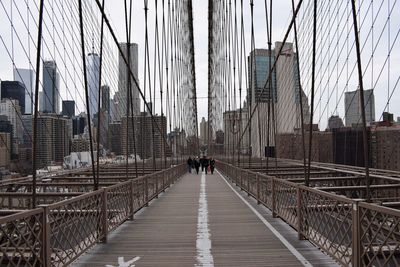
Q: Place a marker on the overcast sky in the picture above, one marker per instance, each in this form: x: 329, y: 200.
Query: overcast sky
x: 386, y: 70
x: 200, y: 16
x: 282, y: 14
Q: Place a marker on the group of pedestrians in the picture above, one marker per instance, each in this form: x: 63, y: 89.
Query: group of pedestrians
x: 205, y: 163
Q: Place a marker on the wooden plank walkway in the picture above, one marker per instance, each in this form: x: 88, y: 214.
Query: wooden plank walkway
x: 203, y: 221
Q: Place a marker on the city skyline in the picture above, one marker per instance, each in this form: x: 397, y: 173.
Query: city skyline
x: 280, y: 22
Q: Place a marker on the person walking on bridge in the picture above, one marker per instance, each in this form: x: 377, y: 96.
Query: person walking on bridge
x: 190, y: 163
x: 212, y: 165
x: 196, y: 165
x: 206, y: 163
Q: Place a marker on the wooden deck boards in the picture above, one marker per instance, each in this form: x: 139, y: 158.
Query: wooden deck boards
x: 165, y: 233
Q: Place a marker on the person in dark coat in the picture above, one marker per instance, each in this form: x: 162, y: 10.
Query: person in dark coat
x: 202, y: 164
x: 197, y: 165
x: 206, y: 163
x: 189, y: 163
x: 212, y: 165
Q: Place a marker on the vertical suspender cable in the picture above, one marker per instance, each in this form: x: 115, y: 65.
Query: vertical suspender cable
x: 300, y: 93
x: 361, y: 85
x: 38, y: 50
x: 307, y: 180
x: 132, y: 76
x: 96, y: 185
x: 128, y: 89
x: 251, y: 80
x: 269, y: 78
x: 193, y: 73
x: 131, y: 93
x: 271, y: 81
x: 86, y: 91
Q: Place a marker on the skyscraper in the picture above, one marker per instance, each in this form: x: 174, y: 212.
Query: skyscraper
x: 204, y: 131
x: 286, y: 95
x: 123, y: 75
x: 7, y: 127
x: 27, y: 77
x: 104, y: 115
x: 41, y: 101
x: 353, y: 107
x: 289, y: 93
x: 51, y: 86
x: 105, y: 98
x: 68, y: 108
x: 259, y: 62
x: 11, y: 109
x: 53, y: 139
x: 78, y: 125
x: 93, y: 76
x: 143, y: 134
x: 14, y: 90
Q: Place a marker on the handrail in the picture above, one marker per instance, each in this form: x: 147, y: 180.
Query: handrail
x: 52, y: 235
x: 352, y: 232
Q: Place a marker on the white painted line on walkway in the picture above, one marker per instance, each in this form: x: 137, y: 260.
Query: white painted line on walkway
x: 203, y: 242
x: 270, y: 227
x: 123, y: 263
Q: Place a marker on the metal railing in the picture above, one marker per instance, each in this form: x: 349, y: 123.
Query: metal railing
x: 353, y: 232
x: 57, y: 234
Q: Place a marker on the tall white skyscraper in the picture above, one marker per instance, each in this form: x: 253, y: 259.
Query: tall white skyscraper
x: 51, y: 86
x: 353, y: 107
x: 288, y: 113
x: 286, y: 96
x: 123, y: 74
x: 27, y: 77
x: 93, y: 75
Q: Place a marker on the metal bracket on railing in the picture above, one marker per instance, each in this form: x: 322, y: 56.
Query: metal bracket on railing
x: 163, y: 181
x: 132, y: 201
x: 46, y: 234
x: 258, y: 189
x: 299, y: 214
x: 146, y: 191
x: 273, y: 198
x: 248, y: 185
x: 356, y: 237
x: 157, y: 191
x: 104, y: 216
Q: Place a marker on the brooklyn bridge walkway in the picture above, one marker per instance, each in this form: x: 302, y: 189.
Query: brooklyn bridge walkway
x: 203, y: 220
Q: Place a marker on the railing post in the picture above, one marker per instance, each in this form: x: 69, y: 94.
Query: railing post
x: 237, y: 176
x: 248, y: 184
x: 46, y: 252
x: 167, y: 178
x: 273, y: 198
x: 258, y: 188
x: 241, y: 179
x: 132, y: 201
x: 163, y: 181
x: 156, y: 176
x: 356, y: 242
x: 299, y: 214
x: 104, y: 216
x: 146, y: 191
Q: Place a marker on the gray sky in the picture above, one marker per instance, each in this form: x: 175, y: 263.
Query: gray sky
x: 386, y: 74
x: 384, y: 86
x: 200, y: 13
